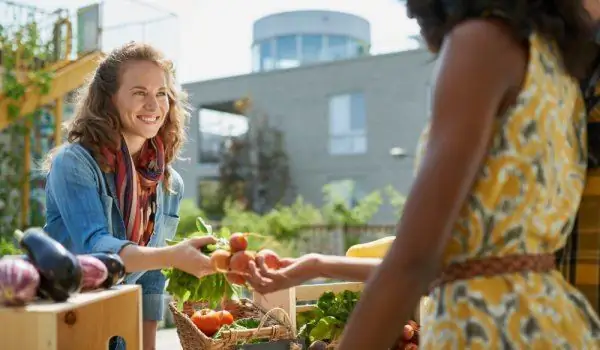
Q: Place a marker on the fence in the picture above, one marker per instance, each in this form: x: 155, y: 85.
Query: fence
x: 336, y: 240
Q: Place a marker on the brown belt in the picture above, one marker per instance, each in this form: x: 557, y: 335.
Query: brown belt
x: 494, y: 266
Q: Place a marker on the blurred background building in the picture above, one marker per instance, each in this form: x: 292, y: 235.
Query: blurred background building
x: 343, y: 115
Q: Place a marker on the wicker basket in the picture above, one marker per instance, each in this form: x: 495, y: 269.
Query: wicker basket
x: 270, y: 329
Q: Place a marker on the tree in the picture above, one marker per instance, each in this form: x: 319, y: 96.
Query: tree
x: 253, y: 168
x: 272, y: 179
x: 24, y: 57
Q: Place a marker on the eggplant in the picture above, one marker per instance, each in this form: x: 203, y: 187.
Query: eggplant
x: 115, y: 267
x: 19, y: 281
x: 60, y: 272
x: 94, y: 272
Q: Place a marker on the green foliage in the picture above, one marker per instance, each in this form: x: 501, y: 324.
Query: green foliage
x: 188, y: 212
x: 397, y: 200
x: 337, y: 211
x: 284, y: 224
x: 212, y: 288
x: 23, y: 52
x: 327, y: 321
x: 7, y: 247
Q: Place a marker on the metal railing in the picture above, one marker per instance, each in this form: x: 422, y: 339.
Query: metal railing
x: 37, y: 36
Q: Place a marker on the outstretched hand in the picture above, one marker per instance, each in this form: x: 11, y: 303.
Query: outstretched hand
x: 292, y: 272
x: 188, y: 257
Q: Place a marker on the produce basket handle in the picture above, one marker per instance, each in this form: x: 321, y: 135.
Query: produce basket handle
x: 287, y: 322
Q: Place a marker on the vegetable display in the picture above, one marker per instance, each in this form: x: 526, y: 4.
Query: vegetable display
x: 60, y: 272
x: 325, y: 323
x: 230, y: 257
x: 49, y: 271
x: 213, y: 323
x: 19, y: 281
x: 114, y: 266
x: 94, y: 272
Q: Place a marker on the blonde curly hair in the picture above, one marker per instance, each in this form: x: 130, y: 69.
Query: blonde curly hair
x: 97, y: 123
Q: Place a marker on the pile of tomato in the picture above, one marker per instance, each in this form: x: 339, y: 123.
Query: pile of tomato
x: 210, y: 321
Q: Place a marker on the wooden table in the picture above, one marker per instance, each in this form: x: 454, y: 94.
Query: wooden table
x: 84, y: 322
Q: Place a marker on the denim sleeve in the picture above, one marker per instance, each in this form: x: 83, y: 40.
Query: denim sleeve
x: 72, y: 183
x: 153, y: 287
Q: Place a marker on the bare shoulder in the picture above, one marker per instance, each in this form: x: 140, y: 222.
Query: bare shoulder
x: 488, y: 43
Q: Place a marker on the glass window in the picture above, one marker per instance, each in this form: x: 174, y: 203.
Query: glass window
x: 215, y: 127
x: 347, y: 124
x: 312, y: 48
x: 287, y: 51
x: 337, y: 47
x: 267, y: 61
x: 357, y: 112
x: 256, y: 58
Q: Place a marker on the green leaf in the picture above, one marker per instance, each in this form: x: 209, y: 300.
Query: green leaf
x: 325, y: 329
x: 171, y: 242
x: 186, y: 295
x: 202, y: 226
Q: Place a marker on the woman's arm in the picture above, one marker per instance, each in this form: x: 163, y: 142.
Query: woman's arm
x: 480, y: 64
x: 308, y: 267
x: 72, y: 184
x: 346, y: 268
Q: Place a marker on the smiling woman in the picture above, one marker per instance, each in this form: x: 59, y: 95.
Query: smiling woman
x: 111, y: 187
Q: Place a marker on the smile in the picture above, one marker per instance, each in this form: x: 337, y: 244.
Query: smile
x: 148, y: 119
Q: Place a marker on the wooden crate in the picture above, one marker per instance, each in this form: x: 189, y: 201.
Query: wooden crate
x: 85, y: 321
x: 288, y: 299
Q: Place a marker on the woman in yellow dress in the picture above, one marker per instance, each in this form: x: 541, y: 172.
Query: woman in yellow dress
x: 497, y: 190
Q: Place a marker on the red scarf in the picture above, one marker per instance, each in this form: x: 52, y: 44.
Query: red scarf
x: 136, y: 186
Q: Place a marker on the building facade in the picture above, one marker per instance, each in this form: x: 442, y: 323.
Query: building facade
x: 341, y: 119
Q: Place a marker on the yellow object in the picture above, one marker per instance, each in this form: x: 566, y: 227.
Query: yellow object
x: 374, y: 249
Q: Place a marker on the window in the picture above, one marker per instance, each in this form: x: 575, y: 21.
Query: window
x: 287, y: 52
x: 267, y: 61
x: 347, y: 124
x: 312, y: 48
x: 256, y: 58
x: 337, y: 47
x: 215, y: 127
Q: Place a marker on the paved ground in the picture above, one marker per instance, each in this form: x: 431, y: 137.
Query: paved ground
x: 167, y: 340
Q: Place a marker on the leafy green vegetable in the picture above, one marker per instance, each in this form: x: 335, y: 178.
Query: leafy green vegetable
x: 212, y: 288
x: 202, y: 226
x: 327, y: 321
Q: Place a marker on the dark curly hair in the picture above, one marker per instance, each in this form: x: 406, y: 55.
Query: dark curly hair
x: 566, y: 22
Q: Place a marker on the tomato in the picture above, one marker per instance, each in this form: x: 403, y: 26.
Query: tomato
x: 207, y: 321
x: 408, y: 332
x: 225, y: 317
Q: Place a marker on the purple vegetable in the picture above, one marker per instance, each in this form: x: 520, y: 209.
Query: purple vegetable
x: 94, y: 272
x: 19, y: 281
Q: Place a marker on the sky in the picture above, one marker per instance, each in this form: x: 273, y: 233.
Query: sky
x: 211, y: 39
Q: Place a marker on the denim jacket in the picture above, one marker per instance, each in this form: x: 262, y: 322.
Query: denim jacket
x: 82, y: 214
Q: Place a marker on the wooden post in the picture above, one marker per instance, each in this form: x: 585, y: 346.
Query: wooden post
x: 26, y: 191
x: 58, y: 120
x: 285, y: 299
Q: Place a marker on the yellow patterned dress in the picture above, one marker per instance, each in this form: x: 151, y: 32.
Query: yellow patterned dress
x: 524, y: 201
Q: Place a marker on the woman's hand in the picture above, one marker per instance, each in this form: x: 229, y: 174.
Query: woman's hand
x: 186, y: 256
x: 292, y: 273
